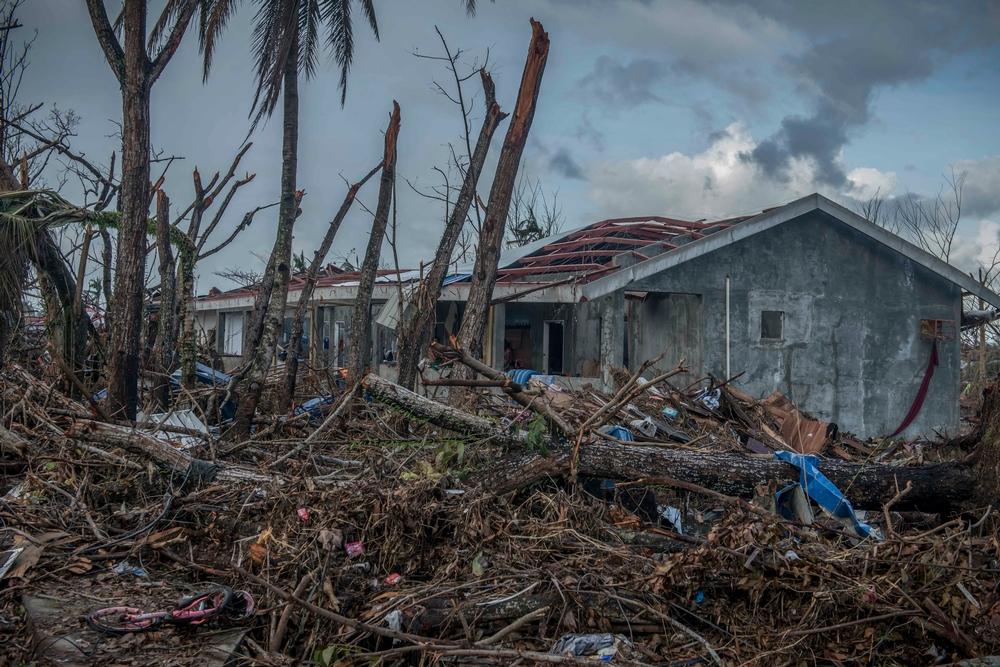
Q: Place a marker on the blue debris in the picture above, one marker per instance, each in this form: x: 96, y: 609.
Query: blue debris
x: 825, y: 493
x: 208, y: 375
x: 521, y: 375
x: 699, y: 597
x: 125, y: 567
x: 710, y: 399
x: 455, y: 278
x: 203, y: 374
x: 619, y: 432
x: 314, y: 406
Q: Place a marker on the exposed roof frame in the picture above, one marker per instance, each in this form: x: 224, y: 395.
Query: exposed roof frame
x: 773, y: 218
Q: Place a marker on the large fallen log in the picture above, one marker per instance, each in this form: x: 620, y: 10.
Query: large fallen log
x: 162, y: 452
x: 941, y: 487
x: 445, y: 416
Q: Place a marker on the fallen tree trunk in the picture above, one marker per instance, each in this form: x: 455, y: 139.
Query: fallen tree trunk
x: 941, y: 487
x: 162, y: 452
x: 439, y: 414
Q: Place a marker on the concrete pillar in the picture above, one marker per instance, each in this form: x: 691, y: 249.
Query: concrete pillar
x: 612, y: 337
x: 496, y: 335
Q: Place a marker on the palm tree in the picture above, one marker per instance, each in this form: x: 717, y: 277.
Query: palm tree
x: 285, y: 43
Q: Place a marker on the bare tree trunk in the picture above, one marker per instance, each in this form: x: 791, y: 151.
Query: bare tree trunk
x: 136, y: 73
x: 166, y: 343
x: 81, y: 269
x: 262, y: 350
x: 361, y: 317
x: 127, y: 302
x: 185, y: 314
x: 295, y: 343
x: 15, y: 271
x: 415, y: 324
x: 107, y: 258
x: 484, y: 276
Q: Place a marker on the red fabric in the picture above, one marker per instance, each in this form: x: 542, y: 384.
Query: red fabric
x: 918, y: 401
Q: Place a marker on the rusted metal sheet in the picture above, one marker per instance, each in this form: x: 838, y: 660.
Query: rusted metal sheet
x: 800, y: 432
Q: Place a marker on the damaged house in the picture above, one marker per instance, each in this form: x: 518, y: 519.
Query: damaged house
x: 852, y: 323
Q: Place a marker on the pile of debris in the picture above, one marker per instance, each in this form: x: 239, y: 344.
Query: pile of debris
x: 658, y: 525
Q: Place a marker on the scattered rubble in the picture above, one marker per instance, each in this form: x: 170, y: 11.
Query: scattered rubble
x: 507, y: 527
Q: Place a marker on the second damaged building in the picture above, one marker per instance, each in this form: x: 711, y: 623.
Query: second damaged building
x: 854, y: 324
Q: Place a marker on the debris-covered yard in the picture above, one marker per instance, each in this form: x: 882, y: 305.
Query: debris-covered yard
x: 716, y: 439
x: 368, y: 533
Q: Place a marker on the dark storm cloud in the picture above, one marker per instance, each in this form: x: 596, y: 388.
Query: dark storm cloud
x: 565, y: 164
x: 624, y: 84
x: 857, y: 49
x: 629, y: 83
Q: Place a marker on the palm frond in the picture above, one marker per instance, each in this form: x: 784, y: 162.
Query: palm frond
x: 470, y: 6
x: 118, y: 25
x: 215, y: 15
x: 275, y: 30
x: 163, y: 24
x: 340, y: 38
x: 368, y: 6
x: 309, y: 20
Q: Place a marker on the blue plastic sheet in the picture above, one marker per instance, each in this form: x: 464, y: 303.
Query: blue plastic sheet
x: 824, y: 492
x: 204, y: 374
x: 314, y: 406
x: 619, y: 432
x: 521, y: 375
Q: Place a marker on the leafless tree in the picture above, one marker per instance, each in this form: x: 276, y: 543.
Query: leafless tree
x: 484, y: 274
x: 309, y: 283
x: 414, y: 326
x: 933, y: 222
x: 361, y: 317
x: 240, y: 276
x: 533, y: 214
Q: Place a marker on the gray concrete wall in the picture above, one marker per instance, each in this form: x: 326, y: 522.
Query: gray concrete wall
x: 852, y: 351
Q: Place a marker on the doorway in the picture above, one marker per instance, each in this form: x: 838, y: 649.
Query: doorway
x: 552, y: 346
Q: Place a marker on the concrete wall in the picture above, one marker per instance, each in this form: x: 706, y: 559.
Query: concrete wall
x: 851, y: 351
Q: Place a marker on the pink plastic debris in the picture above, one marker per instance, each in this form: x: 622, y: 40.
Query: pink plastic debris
x: 354, y: 549
x: 393, y: 579
x: 303, y: 514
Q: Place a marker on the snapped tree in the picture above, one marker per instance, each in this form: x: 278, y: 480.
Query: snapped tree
x: 484, y: 274
x: 361, y: 316
x: 417, y: 319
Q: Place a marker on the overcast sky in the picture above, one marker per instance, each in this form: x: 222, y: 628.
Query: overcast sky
x: 688, y: 109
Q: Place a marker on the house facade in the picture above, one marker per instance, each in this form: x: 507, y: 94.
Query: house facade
x: 807, y: 299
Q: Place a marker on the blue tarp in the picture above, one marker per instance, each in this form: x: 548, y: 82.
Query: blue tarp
x: 314, y: 406
x: 824, y: 492
x: 204, y: 374
x: 521, y: 375
x: 619, y: 432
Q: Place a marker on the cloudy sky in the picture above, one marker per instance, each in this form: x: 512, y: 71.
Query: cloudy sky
x: 682, y: 108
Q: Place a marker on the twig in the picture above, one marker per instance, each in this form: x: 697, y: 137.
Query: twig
x: 674, y: 622
x: 524, y: 620
x: 888, y: 506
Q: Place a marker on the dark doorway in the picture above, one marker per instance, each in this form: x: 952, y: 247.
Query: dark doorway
x: 553, y: 347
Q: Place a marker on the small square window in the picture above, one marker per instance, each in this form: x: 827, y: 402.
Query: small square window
x: 772, y: 323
